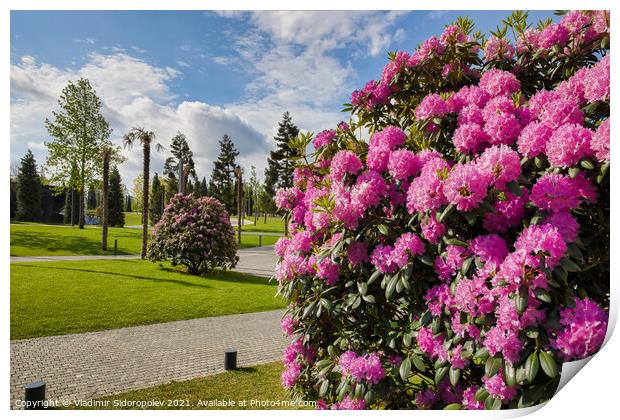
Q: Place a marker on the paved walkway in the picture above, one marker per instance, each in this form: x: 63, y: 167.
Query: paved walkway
x: 259, y: 261
x: 108, y: 362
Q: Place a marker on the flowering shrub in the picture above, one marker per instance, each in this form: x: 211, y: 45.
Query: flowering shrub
x: 196, y: 233
x: 458, y: 257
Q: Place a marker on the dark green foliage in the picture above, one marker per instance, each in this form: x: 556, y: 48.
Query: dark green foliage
x: 128, y: 204
x: 222, y: 183
x: 116, y: 216
x: 28, y: 190
x: 180, y: 151
x: 91, y: 199
x: 156, y: 206
x: 279, y: 172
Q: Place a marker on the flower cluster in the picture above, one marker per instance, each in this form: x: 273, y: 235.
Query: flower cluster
x: 452, y: 244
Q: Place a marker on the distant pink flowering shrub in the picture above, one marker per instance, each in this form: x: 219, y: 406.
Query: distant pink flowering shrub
x: 195, y: 233
x: 467, y: 239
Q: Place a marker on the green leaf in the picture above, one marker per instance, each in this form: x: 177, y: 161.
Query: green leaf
x: 491, y: 366
x: 324, y: 387
x: 466, y: 264
x: 521, y: 299
x: 383, y: 229
x: 531, y: 367
x: 455, y: 241
x: 586, y: 164
x: 445, y: 212
x: 418, y: 362
x: 481, y: 394
x: 374, y: 276
x: 573, y: 172
x: 390, y: 287
x: 405, y: 368
x: 570, y: 266
x: 543, y: 295
x: 510, y: 374
x: 369, y: 298
x: 362, y: 288
x: 547, y: 362
x: 455, y: 375
x: 441, y: 373
x: 514, y: 188
x: 426, y: 260
x: 326, y: 304
x: 453, y: 406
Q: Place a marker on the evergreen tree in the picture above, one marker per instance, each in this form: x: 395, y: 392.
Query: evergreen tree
x: 116, y: 216
x: 279, y: 172
x: 28, y: 190
x: 200, y: 189
x: 222, y: 183
x: 156, y: 205
x: 180, y: 150
x: 128, y: 204
x: 171, y: 186
x: 91, y: 199
x: 204, y: 187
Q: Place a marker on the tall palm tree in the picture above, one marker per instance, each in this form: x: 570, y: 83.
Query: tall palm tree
x: 106, y: 154
x: 145, y: 138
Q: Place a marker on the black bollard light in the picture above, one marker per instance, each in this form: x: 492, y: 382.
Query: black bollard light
x: 35, y: 395
x: 115, y: 246
x: 230, y: 359
x: 260, y: 240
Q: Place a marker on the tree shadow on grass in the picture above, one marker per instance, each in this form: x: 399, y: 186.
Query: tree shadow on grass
x: 133, y: 276
x: 221, y: 275
x: 73, y: 243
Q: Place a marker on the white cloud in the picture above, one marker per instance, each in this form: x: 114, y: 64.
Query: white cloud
x: 90, y: 41
x: 134, y: 93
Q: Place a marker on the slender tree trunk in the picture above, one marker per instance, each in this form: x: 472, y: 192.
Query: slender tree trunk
x: 145, y: 198
x: 239, y: 207
x: 81, y: 210
x: 105, y: 193
x: 265, y: 213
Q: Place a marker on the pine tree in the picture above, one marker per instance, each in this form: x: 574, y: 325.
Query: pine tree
x: 180, y: 150
x: 222, y: 183
x: 28, y: 190
x: 128, y: 204
x: 204, y: 187
x: 279, y: 172
x: 171, y: 186
x: 91, y: 199
x: 156, y: 206
x: 116, y: 216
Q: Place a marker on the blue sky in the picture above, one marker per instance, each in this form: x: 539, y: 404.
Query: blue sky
x: 207, y: 73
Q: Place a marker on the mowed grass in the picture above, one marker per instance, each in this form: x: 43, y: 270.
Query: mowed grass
x: 77, y: 296
x: 133, y: 218
x: 38, y: 239
x: 258, y: 383
x: 274, y: 225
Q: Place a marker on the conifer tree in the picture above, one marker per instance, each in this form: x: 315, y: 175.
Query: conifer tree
x: 222, y: 183
x: 28, y: 190
x: 116, y: 216
x: 156, y: 205
x: 180, y: 150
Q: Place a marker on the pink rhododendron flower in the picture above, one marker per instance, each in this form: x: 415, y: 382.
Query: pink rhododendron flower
x: 345, y: 162
x: 559, y: 112
x: 498, y: 388
x: 565, y: 224
x: 426, y: 191
x: 555, y: 192
x: 498, y: 48
x: 584, y: 330
x: 568, y: 144
x: 600, y: 142
x: 544, y: 238
x: 533, y: 139
x: 553, y: 34
x: 290, y: 375
x: 323, y: 138
x: 432, y: 230
x: 466, y: 186
x: 349, y: 403
x: 499, y: 82
x: 403, y: 163
x: 469, y: 400
x: 596, y: 82
x: 357, y: 253
x: 469, y: 137
x: 501, y: 164
x: 432, y: 105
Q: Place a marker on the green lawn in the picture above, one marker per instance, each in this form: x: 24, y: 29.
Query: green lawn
x: 77, y: 296
x: 274, y: 224
x: 258, y: 383
x: 38, y: 239
x: 133, y: 218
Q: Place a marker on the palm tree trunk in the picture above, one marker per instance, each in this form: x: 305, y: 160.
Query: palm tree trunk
x: 145, y: 197
x: 105, y: 193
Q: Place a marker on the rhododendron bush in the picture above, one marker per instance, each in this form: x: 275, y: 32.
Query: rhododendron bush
x: 196, y: 233
x: 459, y: 256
